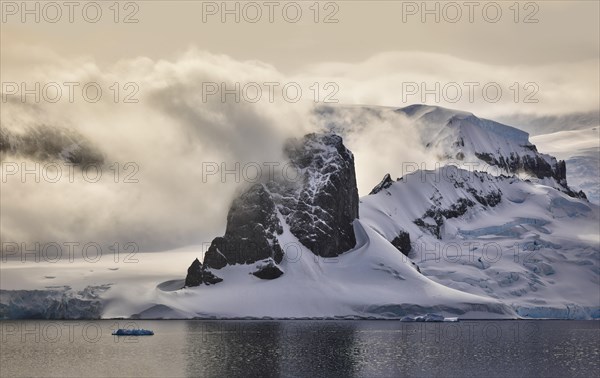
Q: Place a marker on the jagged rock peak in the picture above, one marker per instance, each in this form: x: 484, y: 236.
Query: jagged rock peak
x: 199, y: 274
x: 322, y: 205
x: 319, y: 205
x: 250, y: 235
x: 384, y: 184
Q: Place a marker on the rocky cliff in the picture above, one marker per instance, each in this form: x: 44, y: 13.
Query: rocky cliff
x: 318, y: 202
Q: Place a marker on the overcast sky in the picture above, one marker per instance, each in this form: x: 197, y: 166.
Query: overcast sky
x: 566, y: 31
x: 371, y: 41
x: 373, y: 54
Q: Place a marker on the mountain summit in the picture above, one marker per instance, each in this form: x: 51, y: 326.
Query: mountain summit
x: 318, y: 205
x: 469, y: 140
x: 455, y: 241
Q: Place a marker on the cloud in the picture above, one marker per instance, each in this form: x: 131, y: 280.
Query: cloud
x: 168, y: 135
x: 163, y: 140
x: 387, y: 79
x: 380, y: 138
x: 546, y: 124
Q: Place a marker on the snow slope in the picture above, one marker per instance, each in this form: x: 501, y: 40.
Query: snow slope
x: 533, y: 247
x: 372, y: 280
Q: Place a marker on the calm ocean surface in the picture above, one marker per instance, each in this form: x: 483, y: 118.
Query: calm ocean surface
x: 302, y: 348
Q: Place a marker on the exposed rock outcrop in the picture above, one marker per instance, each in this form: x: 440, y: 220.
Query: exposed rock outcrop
x: 250, y: 236
x: 402, y: 242
x: 319, y: 205
x: 268, y: 271
x: 198, y: 274
x: 434, y: 218
x: 384, y: 184
x: 482, y: 143
x: 323, y: 203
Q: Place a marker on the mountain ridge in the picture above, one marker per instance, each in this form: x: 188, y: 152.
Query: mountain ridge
x: 453, y: 241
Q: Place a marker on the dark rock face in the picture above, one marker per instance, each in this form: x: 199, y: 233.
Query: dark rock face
x: 384, y: 184
x: 318, y: 204
x: 269, y: 271
x: 194, y: 274
x: 210, y: 279
x: 402, y: 242
x: 198, y: 274
x: 322, y: 204
x: 250, y: 236
x: 439, y: 213
x: 536, y: 166
x: 416, y: 267
x: 490, y: 199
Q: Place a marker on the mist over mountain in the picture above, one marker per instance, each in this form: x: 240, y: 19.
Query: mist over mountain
x: 548, y: 124
x: 312, y: 247
x: 172, y: 130
x: 580, y: 149
x: 498, y: 236
x: 510, y: 240
x: 49, y: 144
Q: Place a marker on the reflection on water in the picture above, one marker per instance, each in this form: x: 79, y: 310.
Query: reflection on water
x: 286, y: 348
x: 302, y: 348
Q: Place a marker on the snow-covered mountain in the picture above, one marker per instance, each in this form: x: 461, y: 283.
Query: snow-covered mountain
x: 297, y: 249
x: 514, y: 241
x: 456, y: 137
x: 529, y: 245
x: 463, y: 137
x: 520, y: 236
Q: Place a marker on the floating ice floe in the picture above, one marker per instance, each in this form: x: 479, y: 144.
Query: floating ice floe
x: 428, y: 318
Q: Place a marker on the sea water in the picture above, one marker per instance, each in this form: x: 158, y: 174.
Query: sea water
x: 301, y: 348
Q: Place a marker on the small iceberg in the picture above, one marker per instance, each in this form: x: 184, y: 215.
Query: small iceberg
x: 428, y: 318
x: 133, y: 332
x: 450, y: 319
